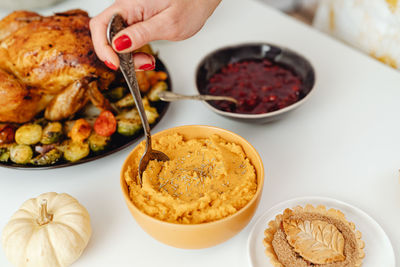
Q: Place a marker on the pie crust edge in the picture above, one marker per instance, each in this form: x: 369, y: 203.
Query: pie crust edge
x: 274, y: 225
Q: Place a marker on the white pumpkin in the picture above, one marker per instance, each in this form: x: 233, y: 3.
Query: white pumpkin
x: 51, y: 230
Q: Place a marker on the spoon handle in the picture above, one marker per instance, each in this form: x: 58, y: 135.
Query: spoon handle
x: 169, y: 96
x: 127, y: 68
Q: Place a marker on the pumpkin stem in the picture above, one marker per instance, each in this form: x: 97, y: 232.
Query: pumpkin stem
x: 44, y: 216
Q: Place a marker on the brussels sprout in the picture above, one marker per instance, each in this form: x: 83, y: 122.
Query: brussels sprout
x: 98, y: 142
x: 146, y: 102
x: 21, y: 154
x: 126, y: 102
x: 128, y: 127
x: 151, y: 114
x: 128, y: 122
x: 74, y: 151
x: 116, y: 93
x: 52, y: 133
x: 48, y: 158
x: 131, y: 114
x: 158, y: 87
x: 28, y: 134
x: 4, y: 154
x: 41, y: 121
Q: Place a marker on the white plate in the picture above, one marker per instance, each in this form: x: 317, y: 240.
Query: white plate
x: 378, y: 249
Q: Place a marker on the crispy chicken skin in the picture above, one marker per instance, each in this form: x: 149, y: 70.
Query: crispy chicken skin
x: 48, y: 63
x: 12, y: 22
x: 17, y: 103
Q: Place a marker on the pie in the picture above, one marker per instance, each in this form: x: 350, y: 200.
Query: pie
x: 313, y: 236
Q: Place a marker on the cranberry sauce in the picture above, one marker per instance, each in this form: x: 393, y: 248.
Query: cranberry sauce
x: 260, y: 86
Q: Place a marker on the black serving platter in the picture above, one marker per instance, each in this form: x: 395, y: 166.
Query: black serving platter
x: 221, y: 57
x: 118, y: 142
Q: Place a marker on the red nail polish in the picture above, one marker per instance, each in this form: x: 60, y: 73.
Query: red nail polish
x: 147, y: 67
x: 110, y: 65
x: 123, y: 42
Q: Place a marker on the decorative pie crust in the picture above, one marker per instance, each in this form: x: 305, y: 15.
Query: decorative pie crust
x: 313, y: 236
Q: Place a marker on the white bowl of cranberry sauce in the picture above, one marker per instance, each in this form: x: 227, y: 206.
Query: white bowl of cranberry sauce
x: 267, y: 80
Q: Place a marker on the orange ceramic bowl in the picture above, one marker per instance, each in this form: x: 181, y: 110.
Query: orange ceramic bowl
x: 195, y: 236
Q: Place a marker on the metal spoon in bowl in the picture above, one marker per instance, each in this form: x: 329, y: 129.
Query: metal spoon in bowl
x: 169, y: 96
x: 127, y: 68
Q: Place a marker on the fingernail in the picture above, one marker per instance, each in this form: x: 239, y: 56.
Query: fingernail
x: 147, y: 67
x: 123, y: 42
x: 110, y: 65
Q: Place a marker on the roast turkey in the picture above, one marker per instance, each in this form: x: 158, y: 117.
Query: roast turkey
x: 48, y: 64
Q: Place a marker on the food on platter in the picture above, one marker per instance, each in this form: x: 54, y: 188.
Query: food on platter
x: 57, y: 97
x: 313, y: 236
x: 206, y: 179
x: 59, y: 73
x: 51, y: 230
x: 260, y: 86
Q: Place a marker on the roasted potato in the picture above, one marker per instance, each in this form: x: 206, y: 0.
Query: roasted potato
x: 156, y: 76
x: 21, y: 154
x: 52, y: 133
x: 80, y: 131
x: 162, y: 75
x: 28, y: 134
x: 74, y: 151
x: 98, y: 142
x: 48, y: 158
x: 143, y: 81
x: 146, y: 49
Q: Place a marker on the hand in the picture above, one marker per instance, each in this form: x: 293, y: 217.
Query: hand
x: 149, y: 20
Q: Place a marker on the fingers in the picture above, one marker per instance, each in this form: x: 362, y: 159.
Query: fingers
x: 133, y: 37
x: 139, y: 34
x: 98, y: 29
x: 143, y: 61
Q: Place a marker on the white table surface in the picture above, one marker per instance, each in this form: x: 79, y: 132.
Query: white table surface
x: 344, y: 143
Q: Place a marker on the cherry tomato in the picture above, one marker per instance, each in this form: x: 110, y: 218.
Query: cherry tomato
x: 105, y: 124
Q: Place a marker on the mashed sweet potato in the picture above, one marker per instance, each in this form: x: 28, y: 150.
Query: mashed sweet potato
x: 205, y: 180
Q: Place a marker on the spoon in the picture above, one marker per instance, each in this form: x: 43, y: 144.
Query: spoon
x: 169, y: 96
x: 127, y: 68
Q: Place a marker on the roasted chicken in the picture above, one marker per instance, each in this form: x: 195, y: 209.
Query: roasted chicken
x: 48, y: 64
